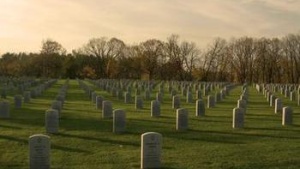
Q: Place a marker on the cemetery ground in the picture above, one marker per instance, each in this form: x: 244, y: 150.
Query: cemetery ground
x: 85, y: 139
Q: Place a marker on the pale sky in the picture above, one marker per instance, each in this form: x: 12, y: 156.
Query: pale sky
x: 25, y: 23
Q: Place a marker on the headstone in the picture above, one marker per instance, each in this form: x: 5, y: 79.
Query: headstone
x: 27, y: 97
x: 278, y: 106
x: 99, y: 100
x: 52, y: 121
x: 218, y: 97
x: 61, y: 98
x: 57, y: 105
x: 242, y: 104
x: 287, y: 116
x: 176, y: 102
x: 181, y: 119
x: 39, y: 151
x: 198, y: 94
x: 155, y: 108
x: 200, y: 108
x: 127, y: 97
x: 18, y: 101
x: 189, y: 97
x: 151, y: 145
x: 119, y: 121
x: 159, y: 97
x: 107, y: 109
x: 138, y: 102
x: 94, y: 96
x: 238, y: 118
x: 210, y: 101
x: 272, y: 100
x: 292, y: 96
x: 4, y: 109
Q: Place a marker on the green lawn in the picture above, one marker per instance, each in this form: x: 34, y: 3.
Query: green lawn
x: 86, y: 141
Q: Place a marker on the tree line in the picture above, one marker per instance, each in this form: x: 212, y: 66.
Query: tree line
x: 244, y: 59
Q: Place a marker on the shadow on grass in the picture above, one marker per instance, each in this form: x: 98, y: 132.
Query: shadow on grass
x: 118, y: 142
x: 53, y: 146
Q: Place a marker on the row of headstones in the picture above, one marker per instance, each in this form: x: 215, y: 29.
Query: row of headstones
x: 53, y: 114
x: 239, y: 112
x: 40, y: 151
x: 113, y: 85
x: 276, y: 102
x: 289, y: 91
x: 18, y: 86
x: 159, y: 96
x: 18, y: 100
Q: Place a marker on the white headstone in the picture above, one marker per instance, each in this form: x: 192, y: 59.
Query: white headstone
x: 278, y: 106
x: 287, y: 116
x: 138, y: 102
x: 52, y: 121
x: 176, y: 102
x: 210, y: 101
x: 200, y: 108
x: 119, y: 121
x: 39, y: 151
x: 181, y: 119
x: 151, y: 145
x: 107, y: 109
x: 238, y: 118
x: 99, y: 100
x: 155, y: 108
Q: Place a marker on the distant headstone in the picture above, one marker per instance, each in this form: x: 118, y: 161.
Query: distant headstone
x: 176, y: 102
x: 94, y: 95
x: 119, y: 121
x: 238, y: 118
x: 286, y: 93
x: 272, y: 100
x: 27, y: 97
x: 159, y: 97
x: 189, y: 97
x: 127, y: 97
x: 4, y: 109
x: 181, y: 119
x: 107, y: 109
x: 210, y: 101
x: 287, y: 116
x: 292, y: 96
x: 61, y: 98
x: 278, y: 106
x: 52, y: 121
x: 242, y: 104
x: 155, y: 108
x: 18, y: 101
x: 138, y: 102
x: 57, y: 105
x: 198, y: 94
x: 99, y: 100
x: 200, y: 108
x: 151, y: 145
x: 218, y: 97
x: 39, y: 151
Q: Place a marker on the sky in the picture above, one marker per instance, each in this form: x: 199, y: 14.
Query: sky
x: 24, y: 24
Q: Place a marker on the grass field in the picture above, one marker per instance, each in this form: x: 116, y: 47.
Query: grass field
x: 86, y: 141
